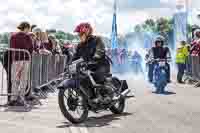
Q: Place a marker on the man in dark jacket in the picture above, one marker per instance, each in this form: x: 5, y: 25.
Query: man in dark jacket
x: 158, y: 52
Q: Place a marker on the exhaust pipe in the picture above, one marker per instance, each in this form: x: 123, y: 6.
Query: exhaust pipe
x: 123, y: 94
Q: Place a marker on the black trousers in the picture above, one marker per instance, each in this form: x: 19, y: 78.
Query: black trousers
x: 181, y: 69
x: 7, y: 64
x: 100, y: 71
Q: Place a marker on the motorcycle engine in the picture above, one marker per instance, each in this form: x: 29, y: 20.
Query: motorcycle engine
x: 107, y: 93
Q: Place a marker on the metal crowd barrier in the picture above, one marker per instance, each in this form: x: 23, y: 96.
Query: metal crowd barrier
x: 21, y: 72
x: 46, y: 69
x: 193, y: 69
x: 15, y: 74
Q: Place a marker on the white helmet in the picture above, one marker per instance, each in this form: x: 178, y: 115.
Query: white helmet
x: 196, y: 31
x: 159, y: 39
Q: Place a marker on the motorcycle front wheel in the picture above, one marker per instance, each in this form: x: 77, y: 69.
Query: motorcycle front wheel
x: 161, y: 83
x: 73, y: 105
x: 119, y: 106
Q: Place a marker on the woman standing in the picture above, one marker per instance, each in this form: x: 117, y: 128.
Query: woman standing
x: 20, y: 64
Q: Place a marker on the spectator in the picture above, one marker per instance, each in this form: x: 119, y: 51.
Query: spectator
x: 37, y: 41
x: 47, y: 42
x: 41, y: 42
x: 136, y: 62
x: 33, y: 27
x: 21, y: 39
x: 20, y: 65
x: 56, y: 49
x: 33, y: 38
x: 181, y: 56
x: 195, y: 46
x: 46, y: 47
x: 68, y: 51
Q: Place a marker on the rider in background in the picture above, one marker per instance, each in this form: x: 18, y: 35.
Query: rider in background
x: 158, y: 52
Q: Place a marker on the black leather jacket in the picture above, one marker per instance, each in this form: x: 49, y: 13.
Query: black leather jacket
x: 161, y: 52
x: 92, y: 50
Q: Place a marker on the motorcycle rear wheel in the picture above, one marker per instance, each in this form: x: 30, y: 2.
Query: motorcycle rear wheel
x: 66, y: 112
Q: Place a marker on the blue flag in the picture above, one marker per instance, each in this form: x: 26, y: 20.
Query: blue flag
x: 114, y: 28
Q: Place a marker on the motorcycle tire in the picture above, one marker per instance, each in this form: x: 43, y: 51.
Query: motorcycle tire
x: 65, y: 111
x: 121, y: 102
x: 161, y: 83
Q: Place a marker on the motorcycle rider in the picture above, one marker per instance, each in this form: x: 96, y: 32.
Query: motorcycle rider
x: 91, y: 48
x: 158, y: 52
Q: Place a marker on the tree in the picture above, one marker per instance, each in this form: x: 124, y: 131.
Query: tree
x: 61, y: 35
x: 164, y: 25
x: 138, y: 28
x: 150, y: 22
x: 70, y: 36
x: 150, y: 25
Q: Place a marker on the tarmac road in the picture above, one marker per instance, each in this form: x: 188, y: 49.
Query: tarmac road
x: 176, y: 112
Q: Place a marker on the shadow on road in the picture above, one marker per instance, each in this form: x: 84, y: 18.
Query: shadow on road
x: 7, y: 108
x: 97, y: 121
x: 165, y: 93
x: 19, y: 109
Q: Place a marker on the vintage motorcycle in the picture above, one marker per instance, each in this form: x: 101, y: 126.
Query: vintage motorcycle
x: 78, y: 87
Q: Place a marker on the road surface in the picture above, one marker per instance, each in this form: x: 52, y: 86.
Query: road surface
x: 177, y: 112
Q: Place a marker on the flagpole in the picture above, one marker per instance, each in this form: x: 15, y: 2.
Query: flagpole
x: 114, y: 27
x: 187, y: 15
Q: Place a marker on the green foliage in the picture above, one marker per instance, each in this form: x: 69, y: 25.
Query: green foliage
x: 138, y: 28
x: 150, y: 25
x: 61, y: 35
x: 4, y: 38
x: 162, y: 26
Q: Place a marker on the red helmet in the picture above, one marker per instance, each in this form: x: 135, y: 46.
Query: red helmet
x: 83, y: 27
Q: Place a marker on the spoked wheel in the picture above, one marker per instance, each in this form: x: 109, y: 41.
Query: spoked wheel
x: 73, y: 105
x: 161, y: 83
x: 119, y: 106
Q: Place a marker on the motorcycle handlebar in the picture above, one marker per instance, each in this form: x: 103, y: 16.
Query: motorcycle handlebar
x: 78, y: 61
x: 159, y: 60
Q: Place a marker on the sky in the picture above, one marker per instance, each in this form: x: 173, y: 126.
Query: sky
x: 66, y: 14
